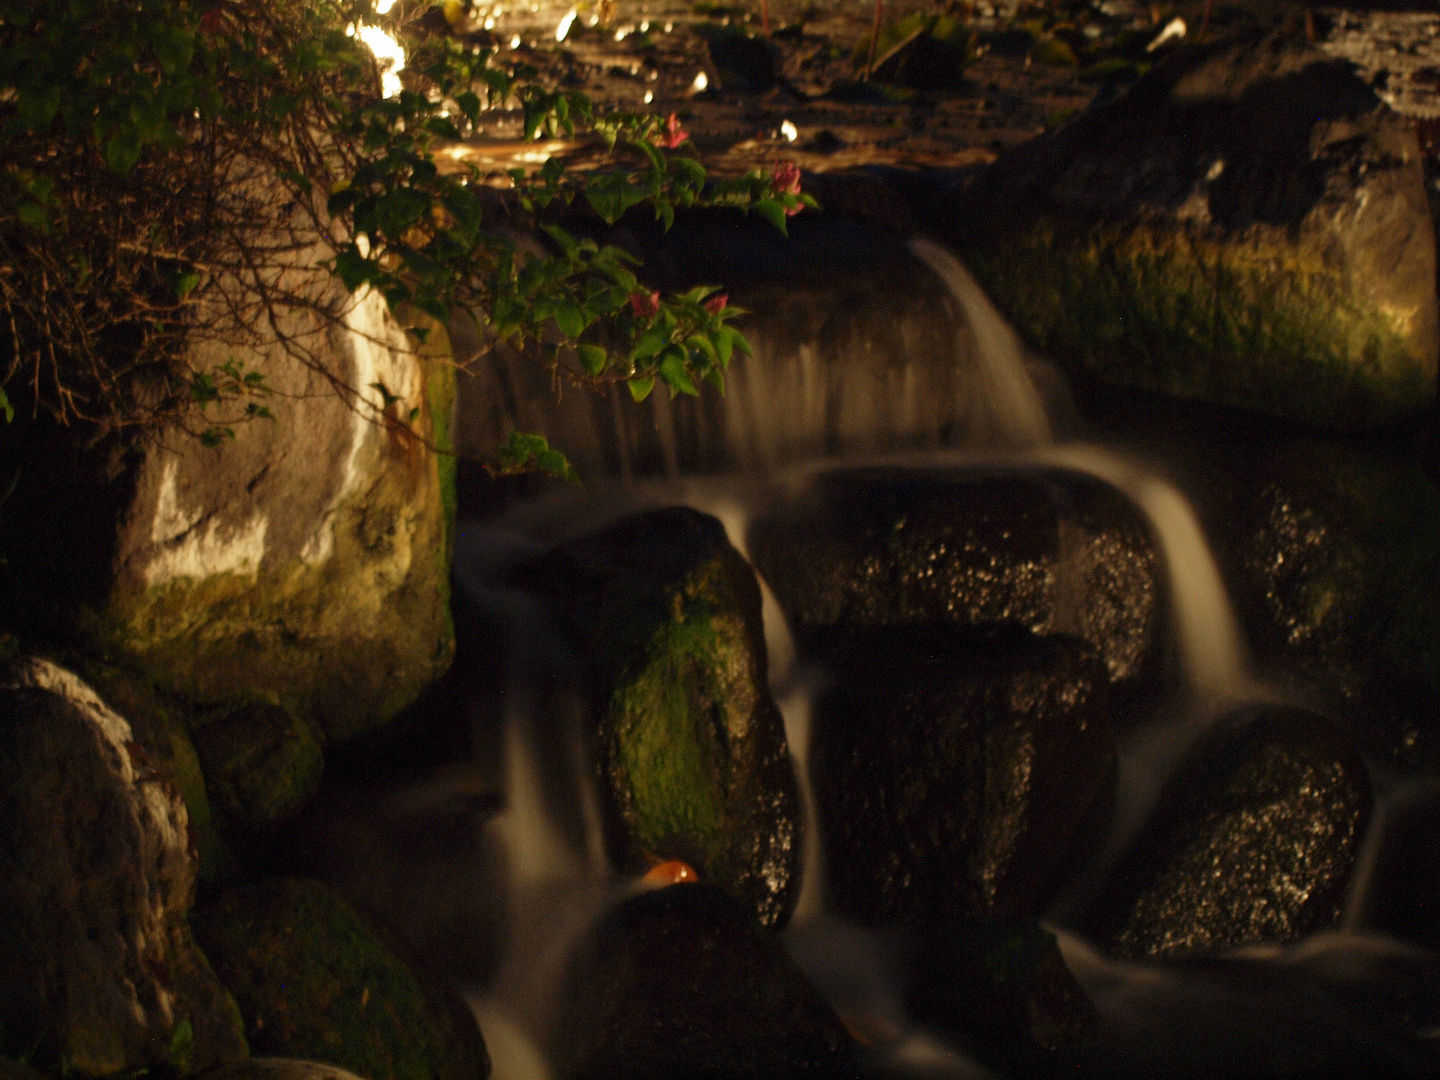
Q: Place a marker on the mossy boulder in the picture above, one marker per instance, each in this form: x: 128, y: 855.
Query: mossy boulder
x: 688, y: 743
x: 1247, y: 225
x: 314, y: 980
x: 682, y: 982
x: 1337, y: 549
x: 1253, y: 844
x: 305, y: 560
x: 955, y: 782
x: 262, y: 764
x: 99, y: 971
x: 1045, y: 552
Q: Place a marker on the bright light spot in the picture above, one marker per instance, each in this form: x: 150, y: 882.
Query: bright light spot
x: 653, y: 76
x: 620, y: 34
x: 389, y: 55
x: 669, y: 26
x: 700, y: 83
x: 649, y: 96
x: 490, y: 23
x: 594, y: 20
x: 1175, y: 28
x: 515, y: 42
x: 565, y: 24
x: 789, y: 130
x: 645, y: 27
x: 382, y: 7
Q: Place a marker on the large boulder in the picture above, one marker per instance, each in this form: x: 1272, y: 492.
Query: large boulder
x: 303, y: 560
x: 1248, y: 225
x: 1254, y: 843
x: 1049, y: 553
x: 315, y: 980
x: 681, y: 982
x: 99, y: 972
x: 262, y: 764
x: 688, y: 743
x: 954, y: 782
x: 1337, y: 551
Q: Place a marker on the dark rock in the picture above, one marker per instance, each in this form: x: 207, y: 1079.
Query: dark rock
x: 314, y: 980
x: 1048, y: 553
x: 954, y: 782
x: 922, y: 52
x: 99, y: 973
x: 273, y: 1068
x: 262, y: 765
x: 1247, y: 225
x: 1002, y: 988
x: 1337, y: 546
x: 681, y: 982
x: 18, y: 1070
x: 1254, y: 843
x: 689, y: 744
x: 746, y: 63
x: 1402, y: 895
x: 305, y: 560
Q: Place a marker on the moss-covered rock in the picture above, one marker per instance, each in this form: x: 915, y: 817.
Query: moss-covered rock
x: 1247, y: 225
x: 681, y: 982
x: 99, y: 971
x: 1254, y: 843
x: 303, y: 561
x: 953, y: 782
x: 1049, y: 553
x: 1338, y: 549
x: 262, y: 765
x: 314, y: 980
x: 689, y: 744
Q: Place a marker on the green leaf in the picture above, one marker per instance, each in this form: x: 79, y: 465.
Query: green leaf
x: 33, y: 216
x: 650, y: 343
x: 611, y: 196
x: 716, y: 378
x: 593, y: 357
x: 6, y: 407
x: 182, y: 1043
x: 672, y: 370
x: 353, y: 269
x: 123, y: 150
x: 569, y: 318
x: 640, y: 388
x: 469, y: 103
x: 773, y: 211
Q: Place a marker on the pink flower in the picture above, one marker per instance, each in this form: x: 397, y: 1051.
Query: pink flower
x: 716, y: 303
x: 673, y: 136
x: 787, y: 178
x: 645, y: 305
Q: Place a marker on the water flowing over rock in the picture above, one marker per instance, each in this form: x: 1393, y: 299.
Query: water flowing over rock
x: 689, y: 745
x: 99, y: 973
x: 305, y: 560
x: 1338, y: 550
x: 954, y: 782
x: 682, y: 983
x: 1049, y: 553
x: 1247, y: 225
x: 315, y: 981
x: 1254, y: 844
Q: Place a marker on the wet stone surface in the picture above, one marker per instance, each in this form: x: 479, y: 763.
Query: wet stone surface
x: 1046, y: 553
x: 953, y: 782
x: 1254, y: 843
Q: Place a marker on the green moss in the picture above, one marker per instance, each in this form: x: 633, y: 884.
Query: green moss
x: 262, y: 762
x: 1250, y: 321
x: 314, y: 981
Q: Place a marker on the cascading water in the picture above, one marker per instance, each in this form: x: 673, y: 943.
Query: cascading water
x: 783, y: 420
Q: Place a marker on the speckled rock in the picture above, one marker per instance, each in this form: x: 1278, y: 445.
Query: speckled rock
x: 262, y: 764
x: 954, y: 782
x: 681, y: 982
x: 689, y: 745
x: 1337, y: 546
x: 99, y: 973
x: 1254, y: 843
x: 1052, y: 553
x: 1247, y: 225
x: 315, y: 981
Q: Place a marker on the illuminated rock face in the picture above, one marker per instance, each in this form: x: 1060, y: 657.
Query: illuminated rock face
x: 306, y: 560
x: 98, y: 968
x: 1247, y: 225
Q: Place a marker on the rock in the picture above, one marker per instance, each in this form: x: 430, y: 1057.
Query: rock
x: 682, y: 982
x: 304, y: 561
x: 262, y: 764
x: 275, y: 1068
x: 922, y: 52
x: 1402, y: 895
x: 1337, y: 549
x: 1247, y: 225
x: 314, y: 980
x: 99, y: 972
x: 1253, y: 844
x: 746, y: 63
x: 689, y: 745
x: 1049, y: 553
x: 954, y: 782
x: 1003, y: 988
x: 17, y: 1070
